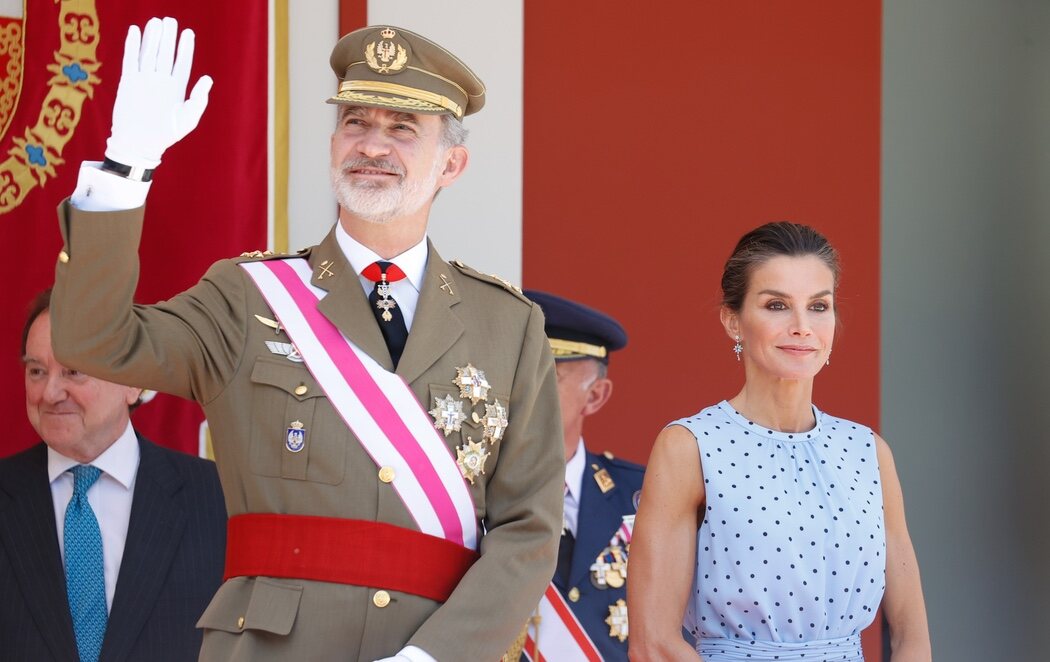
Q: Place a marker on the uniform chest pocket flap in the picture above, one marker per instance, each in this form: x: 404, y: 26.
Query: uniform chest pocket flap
x: 296, y: 433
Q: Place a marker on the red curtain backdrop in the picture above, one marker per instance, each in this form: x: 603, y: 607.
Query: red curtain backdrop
x: 209, y: 197
x: 655, y: 136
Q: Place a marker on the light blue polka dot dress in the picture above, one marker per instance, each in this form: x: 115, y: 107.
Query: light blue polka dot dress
x: 791, y: 555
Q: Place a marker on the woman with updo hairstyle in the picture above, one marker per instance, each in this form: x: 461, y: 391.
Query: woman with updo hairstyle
x: 773, y: 528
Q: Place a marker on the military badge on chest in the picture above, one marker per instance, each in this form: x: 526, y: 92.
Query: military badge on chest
x: 295, y: 440
x: 450, y: 414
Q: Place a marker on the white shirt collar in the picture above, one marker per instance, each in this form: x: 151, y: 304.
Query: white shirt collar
x: 574, y: 471
x: 413, y: 261
x: 120, y: 461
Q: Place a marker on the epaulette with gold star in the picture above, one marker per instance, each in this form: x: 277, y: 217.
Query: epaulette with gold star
x: 492, y: 279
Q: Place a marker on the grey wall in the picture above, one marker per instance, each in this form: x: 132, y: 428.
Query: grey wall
x: 966, y: 312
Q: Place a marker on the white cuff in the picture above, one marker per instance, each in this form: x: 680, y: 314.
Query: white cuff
x: 409, y: 654
x: 98, y: 190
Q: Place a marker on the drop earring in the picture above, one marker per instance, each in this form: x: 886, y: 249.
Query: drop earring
x: 738, y: 348
x: 828, y: 361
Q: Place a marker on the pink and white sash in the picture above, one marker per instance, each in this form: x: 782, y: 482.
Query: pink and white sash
x: 377, y: 405
x: 560, y: 636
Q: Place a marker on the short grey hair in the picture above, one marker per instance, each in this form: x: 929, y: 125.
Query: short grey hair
x: 453, y: 133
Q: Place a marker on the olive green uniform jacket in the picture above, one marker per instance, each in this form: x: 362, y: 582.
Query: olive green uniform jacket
x: 207, y: 345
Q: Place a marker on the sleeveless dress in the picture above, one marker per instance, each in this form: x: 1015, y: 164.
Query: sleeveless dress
x: 791, y: 554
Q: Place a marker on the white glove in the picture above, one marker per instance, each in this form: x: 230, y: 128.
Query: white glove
x: 151, y: 112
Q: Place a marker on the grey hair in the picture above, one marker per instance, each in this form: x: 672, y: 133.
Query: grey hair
x: 453, y: 133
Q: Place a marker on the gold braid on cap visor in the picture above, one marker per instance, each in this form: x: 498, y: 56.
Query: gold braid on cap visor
x: 564, y: 348
x: 402, y: 90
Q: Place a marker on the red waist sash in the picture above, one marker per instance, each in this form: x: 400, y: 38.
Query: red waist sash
x: 345, y: 551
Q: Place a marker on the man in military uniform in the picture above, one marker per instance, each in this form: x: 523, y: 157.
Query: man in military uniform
x: 384, y: 422
x: 601, y: 492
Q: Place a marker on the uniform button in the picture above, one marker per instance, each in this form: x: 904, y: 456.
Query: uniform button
x: 574, y: 594
x: 63, y: 257
x: 381, y: 599
x: 240, y: 622
x: 301, y: 389
x: 386, y: 474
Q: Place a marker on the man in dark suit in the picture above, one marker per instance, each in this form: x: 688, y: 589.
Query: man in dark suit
x: 601, y: 492
x: 110, y: 546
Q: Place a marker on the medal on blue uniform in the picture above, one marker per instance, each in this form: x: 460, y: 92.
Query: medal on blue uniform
x: 609, y: 570
x: 617, y: 620
x: 295, y: 440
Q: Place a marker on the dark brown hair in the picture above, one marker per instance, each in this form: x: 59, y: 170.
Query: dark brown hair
x: 37, y: 307
x: 769, y: 241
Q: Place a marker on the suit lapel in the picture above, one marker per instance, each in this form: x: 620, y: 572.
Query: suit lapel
x: 435, y: 327
x: 602, y: 517
x: 27, y: 532
x: 154, y: 530
x: 346, y: 304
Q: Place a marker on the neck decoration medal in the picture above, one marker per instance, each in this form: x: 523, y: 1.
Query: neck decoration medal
x: 472, y: 384
x: 471, y: 459
x: 617, y: 620
x: 448, y: 414
x: 384, y: 303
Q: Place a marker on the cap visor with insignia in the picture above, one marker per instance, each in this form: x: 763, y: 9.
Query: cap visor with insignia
x: 394, y: 68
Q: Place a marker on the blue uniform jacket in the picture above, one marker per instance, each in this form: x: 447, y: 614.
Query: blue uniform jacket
x: 599, y: 519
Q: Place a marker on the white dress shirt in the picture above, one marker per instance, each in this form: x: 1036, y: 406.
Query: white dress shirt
x: 574, y: 482
x: 110, y: 498
x: 413, y: 262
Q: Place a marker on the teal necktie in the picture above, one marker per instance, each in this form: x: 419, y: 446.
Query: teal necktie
x: 85, y: 577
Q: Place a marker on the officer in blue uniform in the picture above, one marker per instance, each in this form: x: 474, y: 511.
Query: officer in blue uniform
x: 601, y: 494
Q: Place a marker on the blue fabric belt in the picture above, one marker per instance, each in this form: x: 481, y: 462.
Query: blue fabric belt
x: 843, y: 649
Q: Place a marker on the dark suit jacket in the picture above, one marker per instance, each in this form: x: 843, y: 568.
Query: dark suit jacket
x: 172, y: 564
x: 599, y: 518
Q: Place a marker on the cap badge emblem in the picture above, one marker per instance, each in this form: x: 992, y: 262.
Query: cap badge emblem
x: 386, y: 56
x: 448, y: 414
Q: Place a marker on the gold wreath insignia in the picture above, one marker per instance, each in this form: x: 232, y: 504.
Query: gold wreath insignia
x: 400, y: 60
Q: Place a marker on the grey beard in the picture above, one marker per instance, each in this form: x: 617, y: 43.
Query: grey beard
x: 380, y: 204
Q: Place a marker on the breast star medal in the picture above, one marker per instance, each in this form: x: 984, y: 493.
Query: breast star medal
x: 617, y: 620
x: 495, y: 421
x: 472, y: 384
x: 609, y: 570
x: 471, y: 459
x: 448, y: 414
x: 295, y: 440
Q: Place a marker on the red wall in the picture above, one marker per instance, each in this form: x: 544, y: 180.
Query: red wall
x: 656, y: 135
